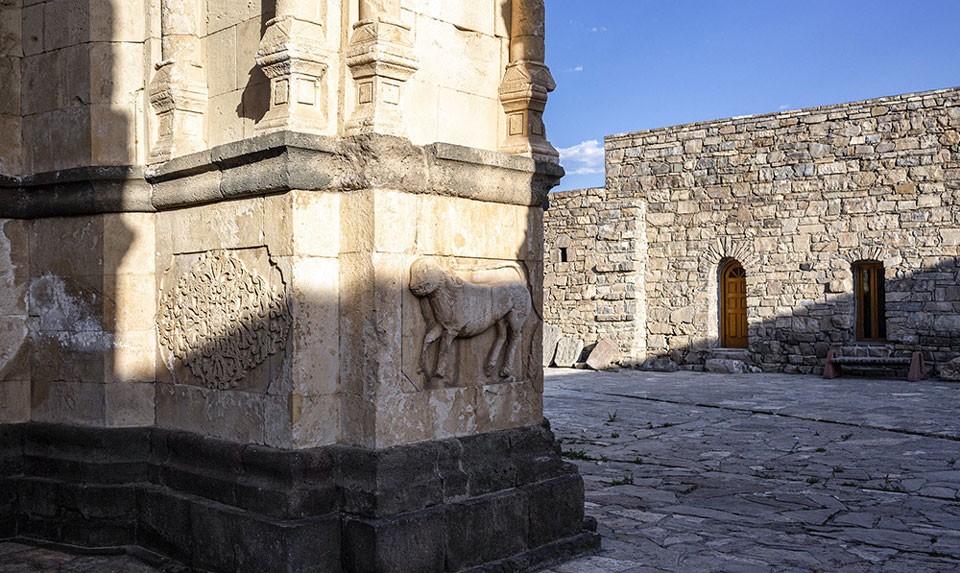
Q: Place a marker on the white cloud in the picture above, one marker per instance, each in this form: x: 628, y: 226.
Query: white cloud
x: 596, y: 29
x: 584, y: 158
x: 784, y: 107
x: 574, y: 70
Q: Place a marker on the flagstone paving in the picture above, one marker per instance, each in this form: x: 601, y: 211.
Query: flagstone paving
x: 693, y: 472
x: 762, y: 472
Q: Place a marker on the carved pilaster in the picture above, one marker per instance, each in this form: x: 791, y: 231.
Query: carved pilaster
x: 523, y: 95
x: 178, y: 94
x: 292, y: 57
x: 526, y: 83
x: 381, y: 58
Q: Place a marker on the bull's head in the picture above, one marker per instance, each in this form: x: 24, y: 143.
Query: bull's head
x: 426, y: 276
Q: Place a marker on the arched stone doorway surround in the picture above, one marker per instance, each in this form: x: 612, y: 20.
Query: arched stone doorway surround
x: 733, y: 305
x: 715, y: 259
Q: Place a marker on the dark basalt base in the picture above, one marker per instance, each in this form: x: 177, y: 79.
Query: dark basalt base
x: 497, y: 502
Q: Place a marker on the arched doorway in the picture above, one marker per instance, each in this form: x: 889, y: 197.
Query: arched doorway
x: 733, y: 305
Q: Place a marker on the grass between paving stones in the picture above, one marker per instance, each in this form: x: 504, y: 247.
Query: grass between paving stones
x: 627, y: 480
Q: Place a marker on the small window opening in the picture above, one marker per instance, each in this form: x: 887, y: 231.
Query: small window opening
x: 870, y: 301
x: 563, y: 254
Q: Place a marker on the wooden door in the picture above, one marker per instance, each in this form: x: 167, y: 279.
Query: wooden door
x: 733, y: 306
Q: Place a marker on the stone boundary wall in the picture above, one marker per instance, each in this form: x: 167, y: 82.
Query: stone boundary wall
x: 597, y: 292
x: 797, y: 197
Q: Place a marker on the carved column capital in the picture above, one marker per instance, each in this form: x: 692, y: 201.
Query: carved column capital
x: 178, y: 94
x: 381, y: 58
x: 526, y: 83
x: 523, y: 94
x: 294, y: 60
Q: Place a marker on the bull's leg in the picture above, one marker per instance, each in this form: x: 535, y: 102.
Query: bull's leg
x: 491, y: 365
x: 429, y: 338
x: 515, y: 319
x: 443, y: 355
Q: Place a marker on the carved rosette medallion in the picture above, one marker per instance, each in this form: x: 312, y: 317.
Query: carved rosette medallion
x: 221, y: 320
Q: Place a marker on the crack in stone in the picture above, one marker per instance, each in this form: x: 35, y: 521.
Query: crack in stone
x: 754, y: 411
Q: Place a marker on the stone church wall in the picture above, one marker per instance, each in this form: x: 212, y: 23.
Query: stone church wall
x: 88, y: 69
x: 270, y: 279
x: 797, y: 198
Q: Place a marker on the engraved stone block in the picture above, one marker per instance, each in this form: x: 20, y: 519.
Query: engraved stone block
x: 456, y: 307
x: 221, y: 319
x: 568, y: 352
x: 950, y: 370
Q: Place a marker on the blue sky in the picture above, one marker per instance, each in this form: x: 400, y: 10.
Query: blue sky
x: 628, y: 65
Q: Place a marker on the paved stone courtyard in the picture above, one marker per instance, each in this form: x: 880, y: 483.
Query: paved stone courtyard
x: 738, y: 473
x: 763, y: 472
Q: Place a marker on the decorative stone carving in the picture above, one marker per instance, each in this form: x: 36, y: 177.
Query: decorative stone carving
x: 526, y: 83
x: 381, y: 58
x: 178, y: 94
x: 222, y: 320
x: 455, y: 308
x: 292, y: 57
x: 178, y: 91
x: 523, y: 94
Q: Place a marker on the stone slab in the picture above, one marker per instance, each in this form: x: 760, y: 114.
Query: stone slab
x: 603, y: 355
x: 568, y: 352
x: 551, y: 336
x: 725, y: 366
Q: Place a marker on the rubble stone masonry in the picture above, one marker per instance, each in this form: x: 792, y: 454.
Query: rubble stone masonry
x: 797, y: 198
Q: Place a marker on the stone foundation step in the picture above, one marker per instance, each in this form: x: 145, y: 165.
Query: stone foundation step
x: 741, y: 354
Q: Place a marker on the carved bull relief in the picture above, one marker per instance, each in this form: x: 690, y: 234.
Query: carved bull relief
x: 457, y: 308
x: 222, y: 320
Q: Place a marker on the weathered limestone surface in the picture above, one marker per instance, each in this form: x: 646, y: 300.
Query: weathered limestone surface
x: 603, y: 355
x: 796, y: 197
x: 568, y: 351
x: 725, y: 366
x: 11, y: 58
x: 270, y: 282
x: 227, y: 69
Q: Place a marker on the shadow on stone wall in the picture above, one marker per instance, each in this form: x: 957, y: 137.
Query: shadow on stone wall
x: 255, y: 99
x: 71, y: 264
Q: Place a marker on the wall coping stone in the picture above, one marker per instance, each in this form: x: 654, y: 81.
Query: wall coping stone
x: 624, y: 140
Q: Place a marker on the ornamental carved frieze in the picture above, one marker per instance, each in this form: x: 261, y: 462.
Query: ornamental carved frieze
x: 221, y: 320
